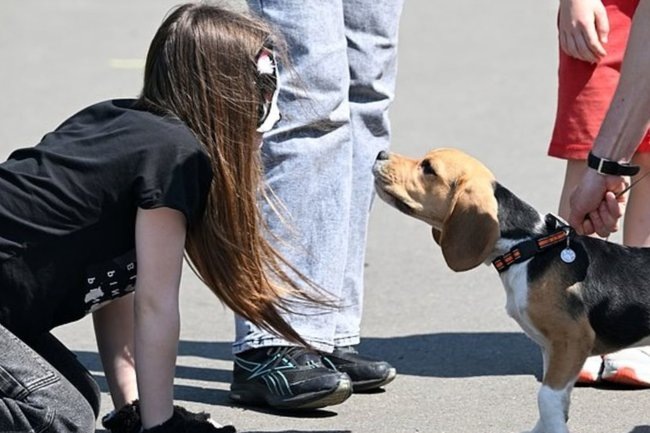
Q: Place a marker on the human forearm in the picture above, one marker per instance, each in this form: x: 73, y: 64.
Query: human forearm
x: 157, y: 327
x: 159, y: 238
x: 629, y: 113
x: 114, y: 334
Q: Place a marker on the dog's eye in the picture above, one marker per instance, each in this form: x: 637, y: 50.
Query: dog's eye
x: 426, y: 168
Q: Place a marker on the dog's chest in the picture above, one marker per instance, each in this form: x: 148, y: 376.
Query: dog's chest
x: 515, y: 282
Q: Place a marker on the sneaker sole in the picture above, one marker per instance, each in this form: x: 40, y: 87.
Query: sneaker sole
x: 590, y: 372
x: 625, y: 376
x: 369, y: 385
x: 315, y: 400
x: 587, y: 378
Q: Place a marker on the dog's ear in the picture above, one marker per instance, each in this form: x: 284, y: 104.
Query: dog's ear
x: 436, y: 235
x: 472, y: 229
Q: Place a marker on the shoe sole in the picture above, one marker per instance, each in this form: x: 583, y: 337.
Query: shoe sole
x: 624, y: 376
x: 314, y: 400
x: 587, y: 378
x: 591, y: 371
x: 369, y: 385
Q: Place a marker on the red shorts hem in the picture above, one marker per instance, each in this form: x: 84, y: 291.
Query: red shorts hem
x: 579, y: 151
x: 569, y: 151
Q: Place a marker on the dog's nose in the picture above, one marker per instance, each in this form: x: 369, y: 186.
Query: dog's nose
x: 382, y: 156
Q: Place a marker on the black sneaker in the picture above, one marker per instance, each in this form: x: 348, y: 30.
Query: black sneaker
x: 366, y: 373
x: 287, y: 378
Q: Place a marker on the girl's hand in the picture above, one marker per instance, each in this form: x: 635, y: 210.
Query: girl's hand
x: 583, y: 27
x: 184, y: 421
x: 596, y: 205
x: 127, y: 420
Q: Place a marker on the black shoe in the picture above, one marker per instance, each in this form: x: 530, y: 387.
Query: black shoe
x: 287, y: 378
x: 366, y: 373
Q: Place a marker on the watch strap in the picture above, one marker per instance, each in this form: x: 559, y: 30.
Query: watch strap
x: 606, y: 166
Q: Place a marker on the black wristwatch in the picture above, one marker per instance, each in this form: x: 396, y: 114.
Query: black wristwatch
x: 606, y: 166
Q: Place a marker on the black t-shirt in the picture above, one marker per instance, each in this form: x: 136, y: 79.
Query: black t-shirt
x: 68, y: 206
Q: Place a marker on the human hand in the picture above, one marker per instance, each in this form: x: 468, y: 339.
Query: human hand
x: 127, y: 420
x: 184, y: 421
x: 597, y: 204
x: 583, y: 28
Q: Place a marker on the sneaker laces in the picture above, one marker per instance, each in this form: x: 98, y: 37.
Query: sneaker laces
x: 296, y: 355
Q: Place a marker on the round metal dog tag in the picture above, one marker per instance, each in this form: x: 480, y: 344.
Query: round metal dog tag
x: 568, y: 255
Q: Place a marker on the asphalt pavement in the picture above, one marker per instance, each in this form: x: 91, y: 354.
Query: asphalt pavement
x: 473, y: 74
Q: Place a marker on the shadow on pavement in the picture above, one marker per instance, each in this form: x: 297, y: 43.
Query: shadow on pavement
x: 445, y: 355
x: 641, y: 429
x: 461, y: 354
x: 454, y: 354
x: 307, y: 431
x: 305, y: 413
x: 457, y: 355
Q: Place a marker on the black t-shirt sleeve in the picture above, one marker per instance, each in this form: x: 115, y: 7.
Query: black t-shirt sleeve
x: 174, y: 175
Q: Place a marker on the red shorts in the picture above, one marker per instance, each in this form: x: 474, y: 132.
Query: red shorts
x: 585, y: 90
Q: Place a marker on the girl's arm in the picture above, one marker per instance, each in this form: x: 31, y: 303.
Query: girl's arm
x: 595, y: 205
x: 160, y: 241
x: 114, y: 333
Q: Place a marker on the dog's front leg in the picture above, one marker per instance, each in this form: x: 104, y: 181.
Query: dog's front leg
x: 553, y: 407
x: 563, y: 360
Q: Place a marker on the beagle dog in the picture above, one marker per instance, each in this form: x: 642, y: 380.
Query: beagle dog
x: 573, y: 295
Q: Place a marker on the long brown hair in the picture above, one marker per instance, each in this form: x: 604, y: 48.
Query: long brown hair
x: 201, y: 68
